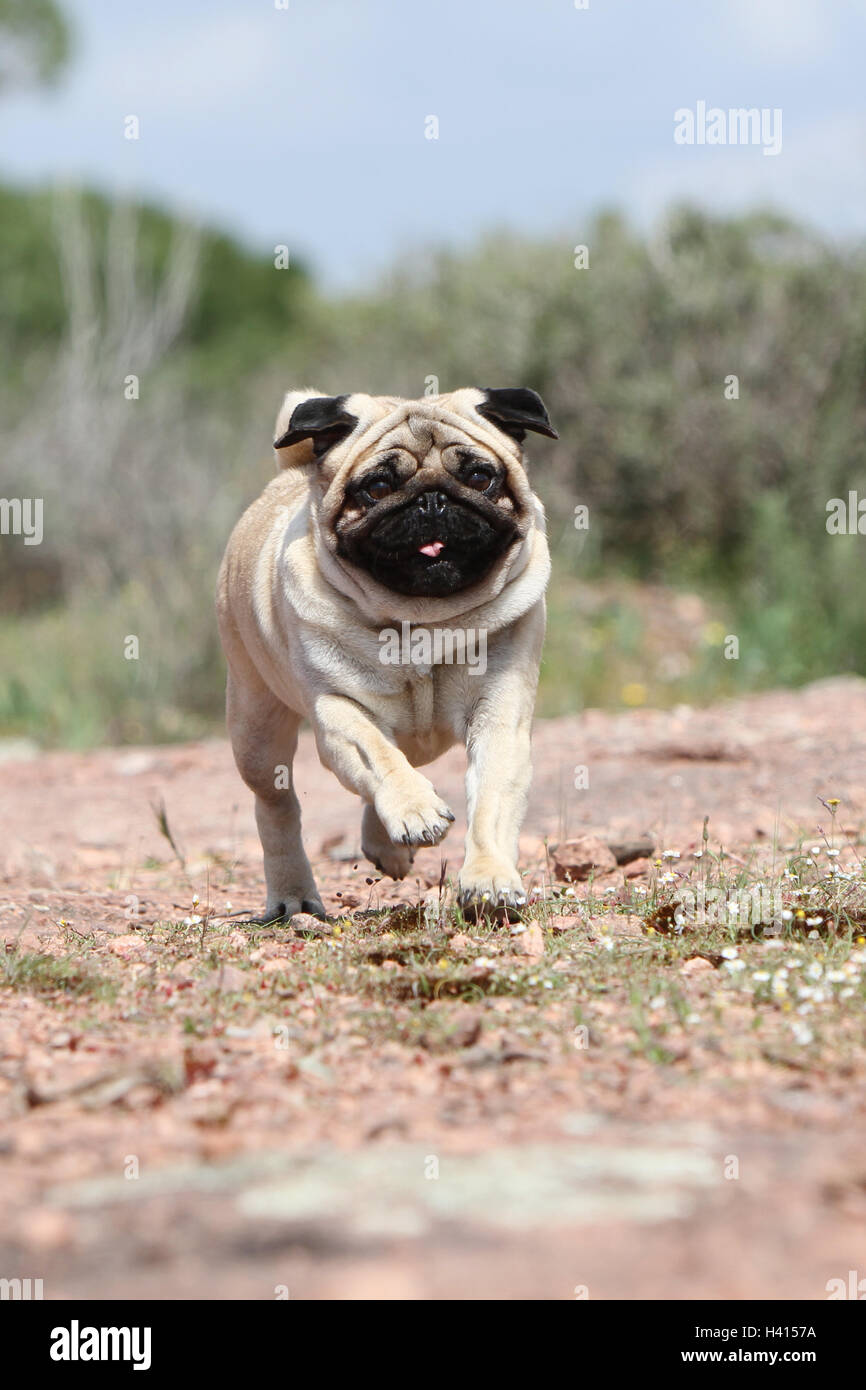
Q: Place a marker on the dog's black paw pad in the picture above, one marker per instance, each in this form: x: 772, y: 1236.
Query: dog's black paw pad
x: 267, y: 919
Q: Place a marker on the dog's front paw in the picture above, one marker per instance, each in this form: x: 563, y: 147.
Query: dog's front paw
x: 490, y: 888
x: 393, y: 860
x: 410, y: 810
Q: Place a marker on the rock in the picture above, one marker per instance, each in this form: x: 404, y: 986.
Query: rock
x: 696, y: 965
x: 267, y: 951
x: 638, y: 868
x: 44, y: 1228
x: 229, y: 980
x: 200, y: 1059
x: 305, y: 924
x: 613, y: 878
x: 581, y: 858
x: 482, y: 968
x: 600, y: 886
x: 560, y: 924
x: 617, y: 924
x: 436, y: 902
x: 108, y: 1088
x: 313, y: 1066
x: 126, y: 946
x: 531, y: 942
x: 467, y: 1031
x: 17, y: 750
x: 629, y: 851
x: 133, y: 764
x: 276, y: 965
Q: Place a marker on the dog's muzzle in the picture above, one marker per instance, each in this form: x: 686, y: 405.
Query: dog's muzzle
x: 433, y: 545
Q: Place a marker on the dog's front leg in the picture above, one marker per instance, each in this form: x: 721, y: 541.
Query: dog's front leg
x: 497, y: 779
x: 367, y: 761
x: 497, y: 787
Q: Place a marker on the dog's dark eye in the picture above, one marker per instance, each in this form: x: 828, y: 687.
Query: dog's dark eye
x: 378, y: 488
x: 478, y: 478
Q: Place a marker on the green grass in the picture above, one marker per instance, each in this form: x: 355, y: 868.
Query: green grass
x: 32, y: 972
x: 395, y: 979
x: 783, y: 984
x: 64, y: 679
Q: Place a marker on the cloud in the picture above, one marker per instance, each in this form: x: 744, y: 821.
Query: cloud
x: 782, y: 32
x: 817, y: 176
x: 197, y: 69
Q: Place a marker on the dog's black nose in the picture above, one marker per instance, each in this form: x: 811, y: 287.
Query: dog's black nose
x: 432, y: 503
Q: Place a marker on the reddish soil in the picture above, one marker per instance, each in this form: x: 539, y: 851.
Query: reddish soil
x: 162, y: 1138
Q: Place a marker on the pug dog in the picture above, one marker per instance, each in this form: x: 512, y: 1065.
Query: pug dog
x: 390, y: 514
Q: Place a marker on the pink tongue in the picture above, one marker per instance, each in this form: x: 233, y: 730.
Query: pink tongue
x: 433, y: 548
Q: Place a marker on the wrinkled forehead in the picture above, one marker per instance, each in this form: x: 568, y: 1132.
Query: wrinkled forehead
x: 420, y: 434
x: 419, y: 426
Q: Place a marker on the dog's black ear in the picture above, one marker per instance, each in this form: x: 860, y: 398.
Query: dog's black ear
x: 320, y: 418
x: 514, y: 410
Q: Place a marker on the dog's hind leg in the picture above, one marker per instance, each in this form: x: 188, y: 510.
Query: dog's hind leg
x: 264, y: 735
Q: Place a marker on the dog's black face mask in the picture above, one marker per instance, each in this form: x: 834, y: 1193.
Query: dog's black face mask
x: 431, y: 530
x: 440, y: 540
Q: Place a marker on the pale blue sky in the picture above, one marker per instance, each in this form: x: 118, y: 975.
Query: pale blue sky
x: 306, y: 125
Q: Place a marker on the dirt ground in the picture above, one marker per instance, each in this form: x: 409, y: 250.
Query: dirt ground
x: 399, y: 1105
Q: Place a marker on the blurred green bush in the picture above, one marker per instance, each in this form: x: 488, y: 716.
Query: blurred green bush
x: 706, y: 514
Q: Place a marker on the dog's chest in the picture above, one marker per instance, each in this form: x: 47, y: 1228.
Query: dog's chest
x: 422, y: 699
x: 427, y: 726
